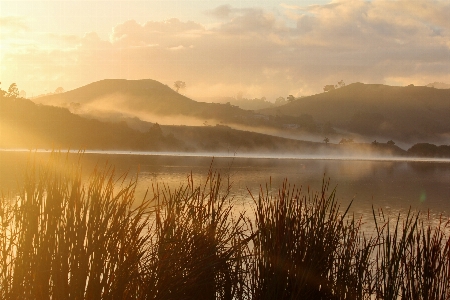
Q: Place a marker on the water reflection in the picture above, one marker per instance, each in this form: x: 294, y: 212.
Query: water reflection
x: 392, y: 186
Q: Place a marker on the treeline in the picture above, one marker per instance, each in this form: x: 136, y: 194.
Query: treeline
x: 429, y: 150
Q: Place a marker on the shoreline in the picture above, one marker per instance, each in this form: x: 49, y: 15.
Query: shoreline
x: 240, y: 155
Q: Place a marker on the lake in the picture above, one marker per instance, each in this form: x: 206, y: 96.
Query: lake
x: 390, y: 184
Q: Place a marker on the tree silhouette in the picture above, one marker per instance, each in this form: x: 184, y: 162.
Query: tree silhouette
x: 290, y: 98
x: 13, y: 91
x: 2, y: 92
x: 179, y: 85
x: 326, y: 140
x: 59, y: 90
x: 280, y: 101
x: 328, y: 87
x: 341, y: 83
x: 391, y: 142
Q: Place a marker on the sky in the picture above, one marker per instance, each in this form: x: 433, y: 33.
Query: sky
x: 224, y: 48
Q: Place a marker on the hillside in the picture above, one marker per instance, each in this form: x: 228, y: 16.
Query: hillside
x: 142, y: 97
x: 244, y: 103
x: 24, y: 124
x: 221, y: 138
x: 409, y: 114
x: 152, y: 101
x: 364, y: 112
x: 439, y: 85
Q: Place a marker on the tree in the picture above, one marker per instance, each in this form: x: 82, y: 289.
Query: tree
x: 13, y: 91
x: 391, y: 142
x: 179, y: 85
x: 341, y: 83
x: 328, y: 87
x: 59, y: 90
x: 290, y: 98
x: 2, y: 92
x: 280, y: 101
x: 155, y: 131
x: 326, y: 140
x: 424, y: 150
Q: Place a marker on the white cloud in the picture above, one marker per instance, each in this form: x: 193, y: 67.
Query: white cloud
x: 12, y: 24
x: 256, y: 51
x: 222, y: 11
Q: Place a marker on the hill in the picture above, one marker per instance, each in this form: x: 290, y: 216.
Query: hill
x: 409, y: 114
x: 439, y: 85
x: 24, y: 124
x: 144, y: 98
x: 364, y: 112
x: 152, y: 101
x: 244, y: 103
x: 221, y: 138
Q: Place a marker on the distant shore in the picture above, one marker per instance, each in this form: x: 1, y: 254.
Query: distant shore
x: 240, y: 155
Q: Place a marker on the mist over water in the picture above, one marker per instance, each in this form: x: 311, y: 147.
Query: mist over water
x: 393, y: 185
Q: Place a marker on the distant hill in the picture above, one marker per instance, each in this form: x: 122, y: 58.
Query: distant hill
x: 24, y: 124
x: 439, y: 85
x: 368, y: 111
x: 144, y: 97
x: 221, y: 138
x: 244, y: 103
x: 410, y: 114
x: 153, y: 101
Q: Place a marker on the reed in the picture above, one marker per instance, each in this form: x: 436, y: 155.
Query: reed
x: 62, y: 240
x: 413, y: 259
x: 427, y: 263
x: 199, y: 244
x: 65, y: 237
x: 306, y: 248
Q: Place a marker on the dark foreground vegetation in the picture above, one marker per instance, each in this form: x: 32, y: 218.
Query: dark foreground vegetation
x: 63, y: 237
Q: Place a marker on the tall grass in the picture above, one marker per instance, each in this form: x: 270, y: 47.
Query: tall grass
x: 306, y: 248
x: 413, y: 259
x: 63, y: 240
x: 65, y: 237
x: 198, y: 243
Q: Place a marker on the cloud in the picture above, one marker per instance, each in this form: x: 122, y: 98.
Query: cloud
x: 221, y: 12
x: 12, y: 31
x: 253, y: 21
x: 132, y: 33
x: 12, y: 24
x: 259, y: 52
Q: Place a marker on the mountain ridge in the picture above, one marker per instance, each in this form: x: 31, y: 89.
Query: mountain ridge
x: 409, y: 113
x: 439, y: 85
x: 145, y: 95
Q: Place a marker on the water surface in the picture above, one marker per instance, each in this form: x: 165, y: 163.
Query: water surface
x: 393, y: 185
